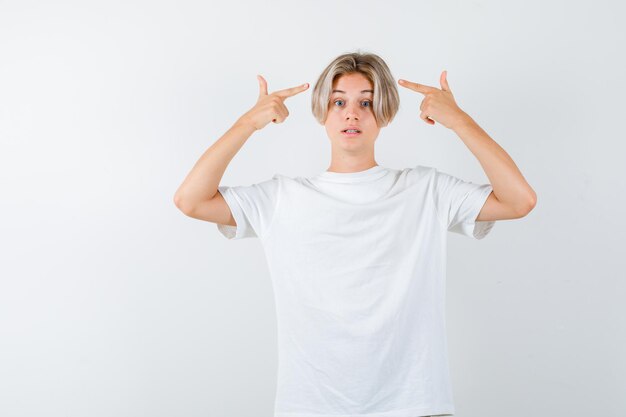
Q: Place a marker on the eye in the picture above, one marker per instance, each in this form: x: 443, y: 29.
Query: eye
x: 369, y: 102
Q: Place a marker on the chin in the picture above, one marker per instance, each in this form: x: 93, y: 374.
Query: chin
x: 347, y: 143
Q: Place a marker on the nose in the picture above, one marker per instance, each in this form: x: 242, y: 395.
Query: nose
x: 352, y: 111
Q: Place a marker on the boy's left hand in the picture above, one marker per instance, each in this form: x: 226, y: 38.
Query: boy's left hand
x: 439, y: 104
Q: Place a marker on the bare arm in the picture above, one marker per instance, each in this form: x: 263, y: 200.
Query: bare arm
x: 201, y: 183
x: 512, y: 196
x: 198, y: 195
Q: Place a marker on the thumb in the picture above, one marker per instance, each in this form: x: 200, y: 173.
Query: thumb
x: 262, y: 85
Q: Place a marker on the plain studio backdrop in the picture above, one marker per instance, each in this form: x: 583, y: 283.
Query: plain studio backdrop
x: 114, y: 303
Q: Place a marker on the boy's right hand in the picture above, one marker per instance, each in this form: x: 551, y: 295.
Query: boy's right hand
x: 270, y: 107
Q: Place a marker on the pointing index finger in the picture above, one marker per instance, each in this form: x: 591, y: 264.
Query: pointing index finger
x: 288, y: 92
x: 420, y: 88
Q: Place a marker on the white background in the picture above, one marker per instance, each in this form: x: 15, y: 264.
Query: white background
x: 114, y: 303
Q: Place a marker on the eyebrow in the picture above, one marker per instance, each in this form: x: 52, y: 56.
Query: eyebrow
x: 362, y: 91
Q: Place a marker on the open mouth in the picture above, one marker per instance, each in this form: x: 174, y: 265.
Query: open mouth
x: 351, y: 132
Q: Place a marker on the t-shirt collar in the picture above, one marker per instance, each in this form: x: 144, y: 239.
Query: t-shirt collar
x: 370, y: 173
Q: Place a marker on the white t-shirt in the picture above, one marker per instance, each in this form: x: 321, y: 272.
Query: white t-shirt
x: 358, y: 264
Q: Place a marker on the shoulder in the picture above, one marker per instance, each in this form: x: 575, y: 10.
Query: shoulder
x: 421, y: 173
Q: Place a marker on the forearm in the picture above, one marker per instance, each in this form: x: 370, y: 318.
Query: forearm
x: 509, y: 185
x: 202, y: 181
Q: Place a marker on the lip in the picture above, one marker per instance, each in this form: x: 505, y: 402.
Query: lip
x: 351, y: 134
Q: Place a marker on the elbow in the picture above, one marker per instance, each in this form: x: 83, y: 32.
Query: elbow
x: 529, y: 206
x: 177, y: 200
x: 180, y: 204
x: 533, y: 201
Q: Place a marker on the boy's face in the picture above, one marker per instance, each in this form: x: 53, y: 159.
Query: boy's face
x: 352, y: 107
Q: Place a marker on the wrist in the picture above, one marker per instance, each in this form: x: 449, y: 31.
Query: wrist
x: 246, y: 125
x: 462, y: 121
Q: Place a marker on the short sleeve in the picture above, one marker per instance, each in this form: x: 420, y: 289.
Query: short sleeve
x: 459, y: 202
x: 252, y: 206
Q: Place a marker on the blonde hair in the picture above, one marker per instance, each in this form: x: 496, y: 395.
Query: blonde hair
x: 386, y: 99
